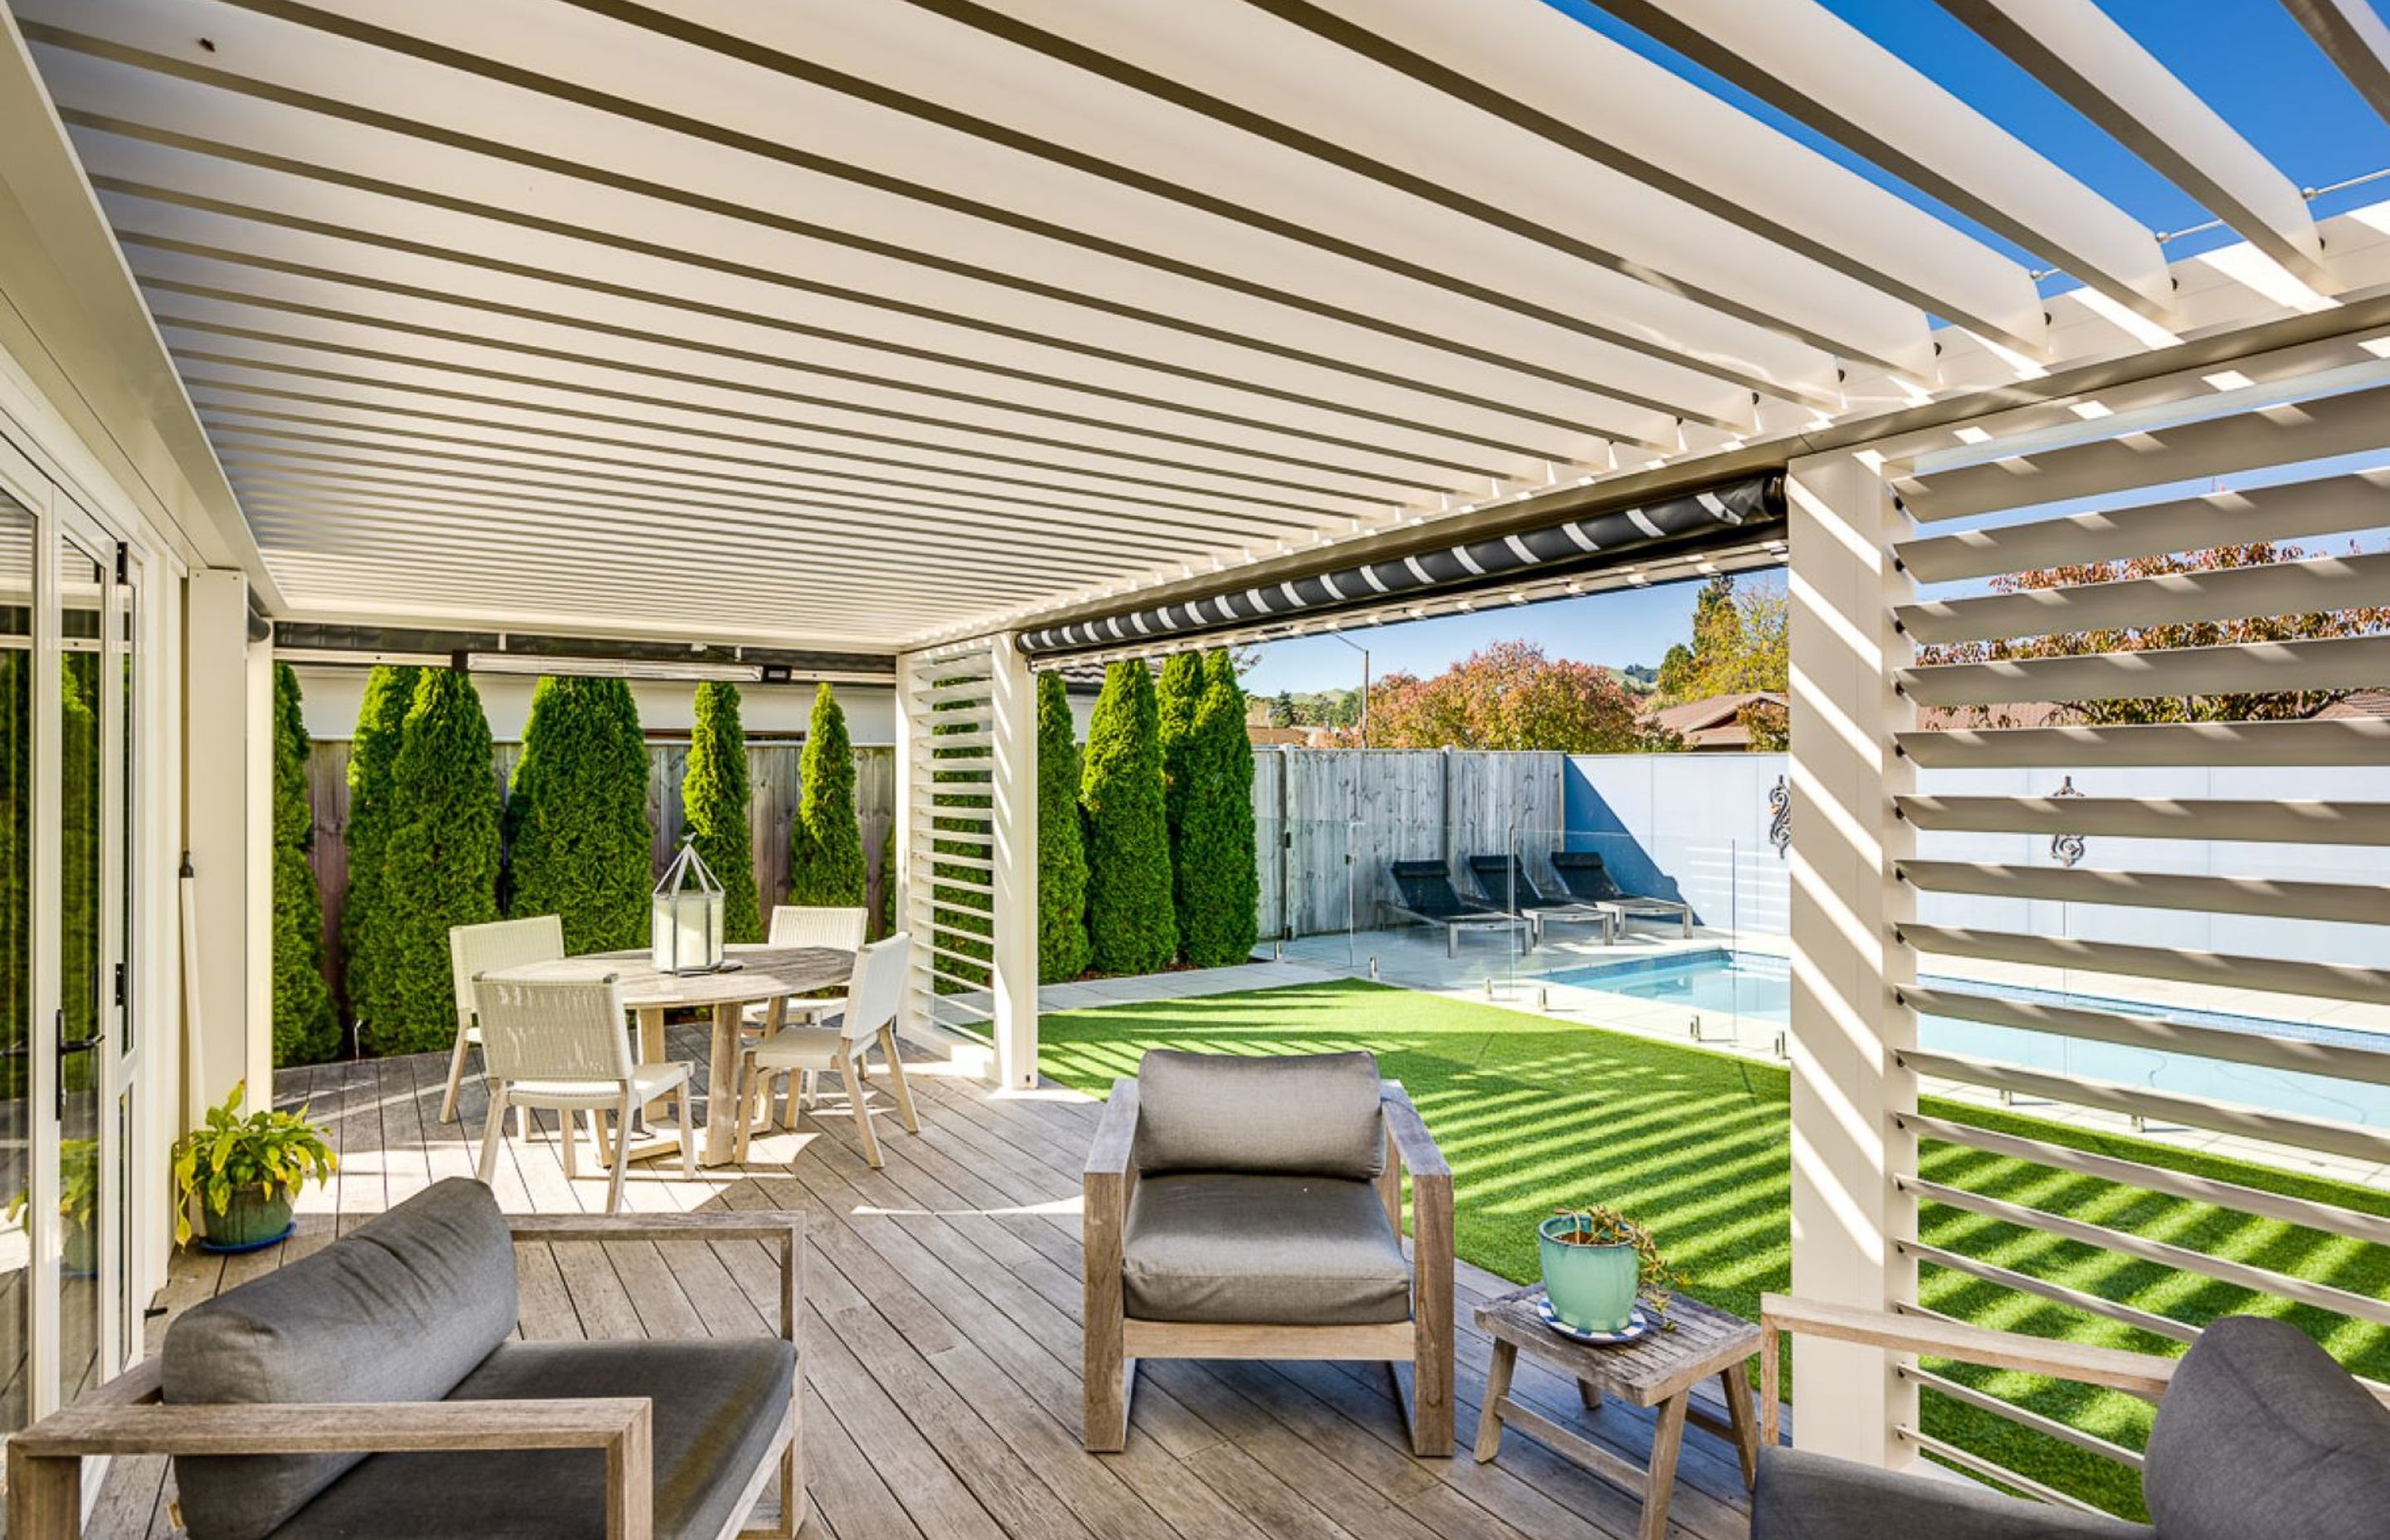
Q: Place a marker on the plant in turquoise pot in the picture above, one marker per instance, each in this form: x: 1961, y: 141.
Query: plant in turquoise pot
x: 1598, y: 1264
x: 243, y: 1172
x: 78, y: 1206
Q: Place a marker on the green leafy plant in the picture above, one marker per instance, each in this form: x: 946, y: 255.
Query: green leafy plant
x: 306, y: 1029
x: 825, y: 838
x: 78, y: 1186
x: 1131, y: 924
x: 440, y: 866
x: 578, y: 843
x: 1061, y: 843
x: 1656, y: 1281
x: 1215, y: 868
x: 273, y: 1154
x: 373, y: 756
x: 715, y: 792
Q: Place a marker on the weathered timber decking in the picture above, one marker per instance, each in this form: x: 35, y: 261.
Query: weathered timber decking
x: 942, y: 1341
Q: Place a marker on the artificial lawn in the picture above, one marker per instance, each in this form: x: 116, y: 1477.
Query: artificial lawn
x: 1534, y: 1114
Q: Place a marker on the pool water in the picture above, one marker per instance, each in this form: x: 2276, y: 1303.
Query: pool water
x: 1744, y: 984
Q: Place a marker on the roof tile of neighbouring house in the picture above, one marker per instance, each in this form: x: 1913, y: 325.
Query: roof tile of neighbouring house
x: 2361, y: 703
x: 1711, y: 722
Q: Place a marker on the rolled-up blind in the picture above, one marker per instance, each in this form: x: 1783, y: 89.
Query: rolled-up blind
x: 1589, y: 542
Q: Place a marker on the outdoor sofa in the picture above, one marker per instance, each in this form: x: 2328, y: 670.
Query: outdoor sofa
x: 1429, y: 898
x: 376, y: 1389
x: 1243, y: 1207
x: 1588, y: 880
x: 2259, y: 1436
x: 1503, y: 880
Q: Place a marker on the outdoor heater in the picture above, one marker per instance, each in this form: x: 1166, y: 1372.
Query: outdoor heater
x: 685, y: 925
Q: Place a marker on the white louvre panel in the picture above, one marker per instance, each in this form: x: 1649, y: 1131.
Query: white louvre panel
x: 2330, y: 902
x: 950, y: 722
x: 2153, y: 745
x: 2337, y: 663
x: 2240, y: 592
x: 2319, y: 822
x: 2155, y: 1033
x: 2275, y: 975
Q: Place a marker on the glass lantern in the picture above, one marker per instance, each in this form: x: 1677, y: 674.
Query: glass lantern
x: 686, y: 920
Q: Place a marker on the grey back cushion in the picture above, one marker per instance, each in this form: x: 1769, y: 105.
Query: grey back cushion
x: 2261, y: 1433
x: 1297, y: 1115
x: 400, y: 1309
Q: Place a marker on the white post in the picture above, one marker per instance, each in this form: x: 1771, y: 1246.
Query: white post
x: 1014, y: 826
x: 1846, y: 1025
x: 229, y: 758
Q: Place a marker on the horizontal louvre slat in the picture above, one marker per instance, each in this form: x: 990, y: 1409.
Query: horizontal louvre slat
x: 968, y: 985
x: 2323, y: 1296
x: 2232, y: 592
x: 2322, y: 980
x: 2333, y: 663
x: 2297, y: 1054
x: 2330, y: 504
x: 1993, y: 1470
x: 2049, y: 1427
x: 2328, y: 1217
x: 2333, y: 1138
x: 2279, y: 823
x: 942, y: 884
x: 2058, y: 1293
x: 955, y: 858
x: 973, y: 689
x: 2154, y: 745
x: 2338, y: 903
x: 2354, y: 422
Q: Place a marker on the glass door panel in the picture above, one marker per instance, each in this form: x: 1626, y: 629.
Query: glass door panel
x: 81, y: 1024
x: 18, y: 1043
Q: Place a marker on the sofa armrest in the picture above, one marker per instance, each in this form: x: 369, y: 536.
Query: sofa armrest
x: 45, y: 1461
x: 1115, y: 1143
x: 1802, y: 1495
x: 780, y: 1228
x: 1412, y: 1144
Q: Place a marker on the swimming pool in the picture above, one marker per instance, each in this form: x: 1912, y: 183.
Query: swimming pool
x: 1753, y: 984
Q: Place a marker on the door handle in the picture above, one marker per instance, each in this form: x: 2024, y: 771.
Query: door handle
x: 70, y: 1046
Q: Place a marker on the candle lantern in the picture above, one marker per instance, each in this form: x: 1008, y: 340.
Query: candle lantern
x: 687, y: 918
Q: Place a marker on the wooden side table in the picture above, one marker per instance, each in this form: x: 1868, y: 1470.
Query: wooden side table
x: 1659, y: 1369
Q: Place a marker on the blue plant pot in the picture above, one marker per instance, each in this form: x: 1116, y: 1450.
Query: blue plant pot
x: 1591, y: 1288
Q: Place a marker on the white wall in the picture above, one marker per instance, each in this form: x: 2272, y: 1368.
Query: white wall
x: 334, y: 693
x: 1704, y: 820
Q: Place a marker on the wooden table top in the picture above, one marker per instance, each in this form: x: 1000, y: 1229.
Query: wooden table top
x: 764, y: 973
x: 1646, y: 1371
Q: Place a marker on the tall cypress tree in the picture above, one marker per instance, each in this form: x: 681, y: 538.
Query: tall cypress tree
x: 373, y: 754
x: 1176, y: 696
x: 1062, y: 843
x: 714, y: 795
x: 1130, y: 924
x: 440, y: 866
x: 1218, y: 881
x: 305, y: 1029
x: 579, y: 846
x: 826, y: 837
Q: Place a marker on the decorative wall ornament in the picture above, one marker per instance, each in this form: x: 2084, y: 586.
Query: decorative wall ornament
x: 1780, y: 816
x: 2066, y: 849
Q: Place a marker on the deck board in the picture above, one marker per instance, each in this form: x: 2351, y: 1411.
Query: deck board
x: 941, y: 1337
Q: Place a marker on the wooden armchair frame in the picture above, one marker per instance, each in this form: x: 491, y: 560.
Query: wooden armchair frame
x: 127, y: 1416
x: 1422, y: 1347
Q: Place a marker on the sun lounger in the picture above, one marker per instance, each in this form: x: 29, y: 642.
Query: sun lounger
x: 1504, y: 882
x: 1429, y: 898
x: 1588, y: 881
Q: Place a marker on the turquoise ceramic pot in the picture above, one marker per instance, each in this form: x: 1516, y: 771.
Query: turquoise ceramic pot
x: 1592, y: 1288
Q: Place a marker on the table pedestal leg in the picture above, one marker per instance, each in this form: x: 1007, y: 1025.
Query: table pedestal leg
x: 723, y: 1104
x: 1667, y: 1434
x: 1489, y: 1413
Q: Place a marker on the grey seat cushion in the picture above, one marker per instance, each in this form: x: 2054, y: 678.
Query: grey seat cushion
x: 2262, y: 1434
x: 1804, y: 1497
x: 715, y: 1406
x: 1284, y: 1250
x: 1298, y: 1114
x: 400, y: 1309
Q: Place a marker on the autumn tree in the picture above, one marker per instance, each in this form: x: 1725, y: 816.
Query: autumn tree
x: 1509, y: 696
x: 2272, y: 706
x: 1740, y: 644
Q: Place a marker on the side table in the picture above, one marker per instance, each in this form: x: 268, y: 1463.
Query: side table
x: 1659, y: 1369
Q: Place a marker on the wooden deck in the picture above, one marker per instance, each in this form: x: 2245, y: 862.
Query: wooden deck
x: 942, y: 1341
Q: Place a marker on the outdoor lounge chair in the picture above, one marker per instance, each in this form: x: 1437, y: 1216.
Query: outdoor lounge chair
x: 2258, y: 1432
x: 377, y: 1389
x: 1429, y: 898
x: 1503, y: 880
x: 1252, y: 1208
x: 1583, y: 873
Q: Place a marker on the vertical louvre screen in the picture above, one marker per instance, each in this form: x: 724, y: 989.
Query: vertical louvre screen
x: 950, y: 887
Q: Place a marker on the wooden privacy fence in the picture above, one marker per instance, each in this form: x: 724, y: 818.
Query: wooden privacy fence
x: 1331, y: 820
x: 771, y: 767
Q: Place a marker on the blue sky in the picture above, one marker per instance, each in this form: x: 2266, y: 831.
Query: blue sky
x: 2247, y: 57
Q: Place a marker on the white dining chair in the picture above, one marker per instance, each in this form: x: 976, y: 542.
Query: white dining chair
x: 565, y: 1047
x: 839, y: 929
x: 474, y: 950
x: 873, y: 998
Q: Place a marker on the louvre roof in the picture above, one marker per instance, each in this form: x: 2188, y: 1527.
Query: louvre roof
x: 859, y: 325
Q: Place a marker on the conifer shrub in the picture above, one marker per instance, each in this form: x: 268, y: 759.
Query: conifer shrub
x: 373, y: 755
x: 440, y: 864
x: 1131, y: 926
x: 578, y: 844
x: 306, y: 1029
x: 1061, y: 843
x: 714, y: 797
x: 825, y: 838
x: 1217, y: 873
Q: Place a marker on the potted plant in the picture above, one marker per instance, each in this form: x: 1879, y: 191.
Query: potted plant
x: 77, y: 1205
x: 1598, y: 1264
x: 242, y: 1172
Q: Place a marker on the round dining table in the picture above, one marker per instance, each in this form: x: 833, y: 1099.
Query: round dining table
x: 764, y: 975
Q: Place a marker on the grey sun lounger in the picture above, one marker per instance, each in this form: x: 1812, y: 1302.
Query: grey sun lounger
x: 1588, y: 881
x: 1503, y: 880
x: 1429, y: 898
